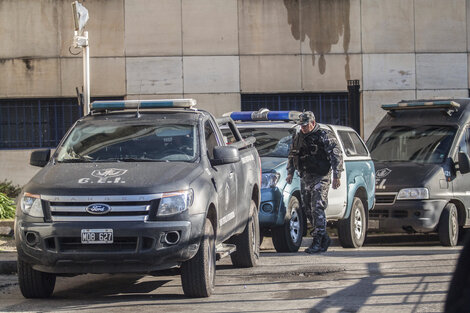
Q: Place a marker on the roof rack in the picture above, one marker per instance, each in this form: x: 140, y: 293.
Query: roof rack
x: 264, y: 115
x: 97, y: 106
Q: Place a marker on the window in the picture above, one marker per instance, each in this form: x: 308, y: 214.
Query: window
x: 211, y: 140
x: 422, y: 144
x: 353, y: 145
x: 465, y: 142
x: 37, y: 123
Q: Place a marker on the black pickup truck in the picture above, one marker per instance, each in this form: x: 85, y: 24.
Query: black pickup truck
x: 140, y: 186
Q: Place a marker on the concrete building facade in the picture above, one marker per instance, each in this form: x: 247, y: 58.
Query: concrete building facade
x: 217, y: 50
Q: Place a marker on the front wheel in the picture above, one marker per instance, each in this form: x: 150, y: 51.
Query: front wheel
x: 352, y: 231
x: 198, y: 273
x: 449, y: 226
x: 288, y: 237
x: 247, y: 253
x: 34, y: 284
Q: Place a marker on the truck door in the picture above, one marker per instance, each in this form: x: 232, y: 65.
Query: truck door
x: 224, y: 180
x: 461, y: 183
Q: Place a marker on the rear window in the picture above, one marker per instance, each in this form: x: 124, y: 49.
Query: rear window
x: 270, y: 142
x: 353, y: 145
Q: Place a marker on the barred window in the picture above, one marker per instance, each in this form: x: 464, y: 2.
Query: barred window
x: 329, y: 108
x: 37, y: 123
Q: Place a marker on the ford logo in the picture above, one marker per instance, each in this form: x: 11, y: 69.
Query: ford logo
x: 98, y: 208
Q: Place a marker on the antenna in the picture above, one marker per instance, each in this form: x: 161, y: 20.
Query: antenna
x: 137, y: 114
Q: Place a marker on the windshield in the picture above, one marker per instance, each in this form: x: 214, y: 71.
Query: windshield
x: 111, y: 141
x: 424, y: 144
x: 272, y: 142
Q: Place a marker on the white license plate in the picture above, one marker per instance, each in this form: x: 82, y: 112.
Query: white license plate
x: 91, y: 236
x: 374, y: 224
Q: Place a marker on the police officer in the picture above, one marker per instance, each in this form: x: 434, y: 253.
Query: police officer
x: 314, y: 154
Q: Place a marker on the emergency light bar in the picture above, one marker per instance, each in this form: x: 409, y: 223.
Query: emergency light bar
x: 142, y: 104
x: 265, y: 115
x: 451, y: 105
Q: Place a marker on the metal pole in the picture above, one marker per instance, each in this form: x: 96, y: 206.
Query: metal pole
x: 86, y: 75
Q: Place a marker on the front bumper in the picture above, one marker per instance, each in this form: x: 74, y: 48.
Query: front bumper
x: 407, y: 216
x: 137, y: 246
x: 272, y: 208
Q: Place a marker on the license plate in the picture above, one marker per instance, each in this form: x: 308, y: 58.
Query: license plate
x: 374, y: 224
x: 91, y: 236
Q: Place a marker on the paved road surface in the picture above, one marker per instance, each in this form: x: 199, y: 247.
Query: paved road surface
x: 407, y: 274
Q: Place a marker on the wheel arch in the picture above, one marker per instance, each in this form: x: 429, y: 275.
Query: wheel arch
x: 212, y: 216
x: 359, y: 191
x: 255, y: 195
x: 462, y: 213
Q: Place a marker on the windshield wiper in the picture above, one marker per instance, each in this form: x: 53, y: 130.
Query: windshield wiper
x: 135, y: 160
x: 75, y: 161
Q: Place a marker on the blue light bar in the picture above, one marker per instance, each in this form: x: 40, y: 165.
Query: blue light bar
x: 265, y: 115
x: 142, y: 104
x: 452, y: 105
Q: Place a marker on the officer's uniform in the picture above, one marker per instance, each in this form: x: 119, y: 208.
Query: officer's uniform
x: 314, y: 155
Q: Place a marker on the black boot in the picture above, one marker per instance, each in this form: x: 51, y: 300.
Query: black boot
x: 325, y: 242
x: 316, y: 245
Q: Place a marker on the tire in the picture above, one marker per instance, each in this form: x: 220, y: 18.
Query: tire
x: 198, y: 273
x: 35, y: 284
x: 352, y: 231
x: 449, y: 226
x: 247, y: 253
x: 288, y: 237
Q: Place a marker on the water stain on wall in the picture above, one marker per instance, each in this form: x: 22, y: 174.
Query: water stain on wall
x: 323, y: 23
x: 28, y: 64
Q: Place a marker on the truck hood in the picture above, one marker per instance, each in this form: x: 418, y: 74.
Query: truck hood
x: 270, y: 163
x: 113, y: 178
x: 393, y: 176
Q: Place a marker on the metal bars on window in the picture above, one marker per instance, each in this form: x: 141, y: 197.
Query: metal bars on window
x: 329, y: 108
x: 37, y: 123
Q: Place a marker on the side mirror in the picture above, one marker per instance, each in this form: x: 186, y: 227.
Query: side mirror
x: 225, y: 155
x: 40, y: 157
x: 464, y: 163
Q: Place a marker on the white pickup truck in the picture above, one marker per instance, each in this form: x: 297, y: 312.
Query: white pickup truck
x: 280, y: 213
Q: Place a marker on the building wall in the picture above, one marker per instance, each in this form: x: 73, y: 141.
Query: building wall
x: 214, y: 50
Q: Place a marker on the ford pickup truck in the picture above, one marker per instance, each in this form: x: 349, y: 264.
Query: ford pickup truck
x: 140, y: 186
x: 280, y: 212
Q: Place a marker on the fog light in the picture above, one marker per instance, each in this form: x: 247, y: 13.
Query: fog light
x: 31, y: 238
x: 267, y: 207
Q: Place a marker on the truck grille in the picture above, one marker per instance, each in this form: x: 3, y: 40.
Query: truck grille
x: 122, y: 208
x: 385, y: 198
x: 379, y: 214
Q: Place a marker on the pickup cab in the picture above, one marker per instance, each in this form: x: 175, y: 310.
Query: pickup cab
x: 140, y: 186
x: 280, y: 213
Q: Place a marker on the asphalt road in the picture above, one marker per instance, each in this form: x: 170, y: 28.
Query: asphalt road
x: 388, y: 274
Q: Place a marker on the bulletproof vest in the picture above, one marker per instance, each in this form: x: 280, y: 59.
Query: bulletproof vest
x: 310, y: 155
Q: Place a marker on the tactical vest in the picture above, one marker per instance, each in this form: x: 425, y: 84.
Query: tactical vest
x: 310, y: 155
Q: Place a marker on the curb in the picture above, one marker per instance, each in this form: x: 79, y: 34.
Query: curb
x: 6, y: 227
x: 8, y: 267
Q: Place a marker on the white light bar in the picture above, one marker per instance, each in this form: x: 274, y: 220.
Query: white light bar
x: 421, y: 105
x: 142, y: 104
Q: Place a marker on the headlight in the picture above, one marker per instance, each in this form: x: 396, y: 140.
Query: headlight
x: 175, y: 202
x: 413, y: 194
x: 31, y: 205
x: 269, y: 180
